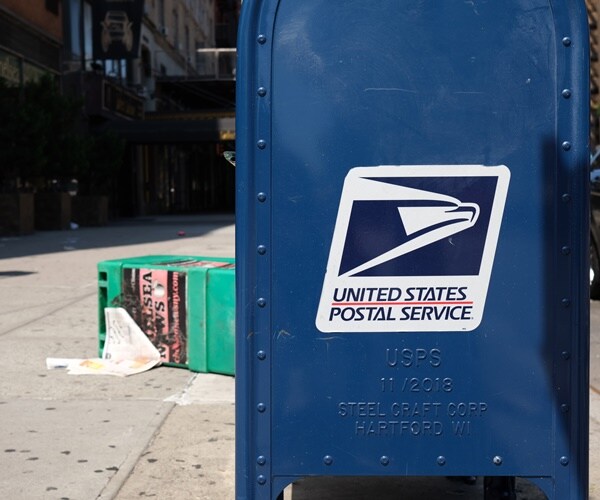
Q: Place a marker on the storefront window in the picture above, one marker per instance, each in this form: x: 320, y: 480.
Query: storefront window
x: 32, y: 73
x: 10, y: 69
x: 75, y: 29
x: 116, y: 68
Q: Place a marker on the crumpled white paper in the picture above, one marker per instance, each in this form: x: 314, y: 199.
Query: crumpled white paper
x: 127, y: 350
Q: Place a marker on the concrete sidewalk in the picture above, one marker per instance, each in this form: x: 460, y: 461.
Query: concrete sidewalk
x: 167, y: 433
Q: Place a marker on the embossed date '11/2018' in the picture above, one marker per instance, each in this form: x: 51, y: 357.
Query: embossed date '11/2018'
x: 415, y: 384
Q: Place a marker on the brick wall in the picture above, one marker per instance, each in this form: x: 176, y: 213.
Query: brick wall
x: 45, y: 15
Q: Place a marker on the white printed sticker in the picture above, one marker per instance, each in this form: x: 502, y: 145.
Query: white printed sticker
x: 413, y: 248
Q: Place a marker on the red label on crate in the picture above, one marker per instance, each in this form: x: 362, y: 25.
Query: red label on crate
x: 156, y: 300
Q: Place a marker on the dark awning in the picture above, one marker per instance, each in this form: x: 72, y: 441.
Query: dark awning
x: 173, y: 131
x: 197, y: 93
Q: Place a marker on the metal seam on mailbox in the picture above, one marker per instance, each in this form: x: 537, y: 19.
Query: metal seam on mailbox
x: 262, y: 388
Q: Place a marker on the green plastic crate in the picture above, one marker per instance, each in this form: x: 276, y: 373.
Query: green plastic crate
x: 185, y: 305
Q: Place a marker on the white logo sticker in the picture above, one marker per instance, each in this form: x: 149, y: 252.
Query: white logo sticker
x: 413, y: 248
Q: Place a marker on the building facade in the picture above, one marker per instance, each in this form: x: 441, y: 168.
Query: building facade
x: 170, y: 104
x: 174, y: 103
x: 31, y: 38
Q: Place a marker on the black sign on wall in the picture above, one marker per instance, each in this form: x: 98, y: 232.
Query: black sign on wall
x: 116, y: 28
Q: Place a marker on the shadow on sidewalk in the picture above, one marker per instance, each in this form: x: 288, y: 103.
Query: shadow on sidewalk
x: 133, y: 231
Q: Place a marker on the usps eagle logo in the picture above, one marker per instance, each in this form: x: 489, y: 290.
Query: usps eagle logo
x: 413, y: 248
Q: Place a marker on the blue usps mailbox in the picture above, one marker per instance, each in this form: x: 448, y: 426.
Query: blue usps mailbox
x: 412, y: 229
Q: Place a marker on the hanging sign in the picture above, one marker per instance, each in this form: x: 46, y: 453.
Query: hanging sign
x: 116, y: 28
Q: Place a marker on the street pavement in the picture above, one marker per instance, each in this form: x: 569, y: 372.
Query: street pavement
x: 167, y: 433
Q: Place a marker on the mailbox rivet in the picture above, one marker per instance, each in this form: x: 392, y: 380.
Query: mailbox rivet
x: 565, y: 302
x: 262, y: 144
x: 566, y: 145
x: 262, y: 197
x: 261, y: 39
x: 261, y: 302
x: 385, y: 461
x: 566, y: 198
x: 564, y: 460
x: 262, y: 355
x: 566, y: 93
x: 327, y: 459
x: 261, y: 249
x: 441, y: 460
x: 261, y: 460
x: 566, y: 250
x: 261, y: 479
x: 566, y: 355
x: 566, y: 41
x: 564, y: 408
x: 261, y: 91
x: 261, y: 407
x: 497, y: 460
